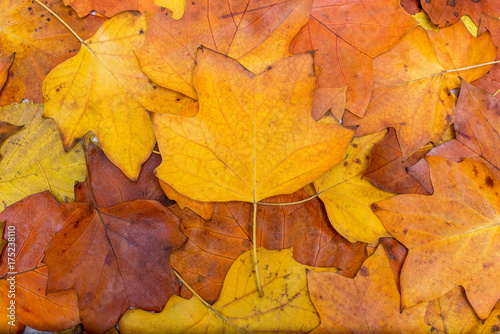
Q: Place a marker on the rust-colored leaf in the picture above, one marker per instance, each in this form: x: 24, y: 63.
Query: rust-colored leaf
x: 396, y: 253
x: 416, y: 68
x: 110, y: 7
x: 214, y: 245
x: 347, y: 36
x: 452, y: 236
x: 255, y: 33
x: 369, y: 303
x: 446, y: 12
x: 204, y: 209
x: 40, y: 42
x: 490, y: 82
x: 30, y: 225
x: 412, y: 7
x: 116, y: 258
x: 5, y: 64
x: 111, y: 187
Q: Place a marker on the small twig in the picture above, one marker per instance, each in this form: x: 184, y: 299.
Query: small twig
x: 474, y: 66
x: 255, y: 260
x: 60, y: 20
x: 157, y: 152
x: 45, y: 176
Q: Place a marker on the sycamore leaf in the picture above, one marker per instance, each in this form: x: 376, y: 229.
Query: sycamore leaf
x: 285, y: 307
x: 30, y: 224
x: 452, y: 236
x: 348, y: 197
x: 476, y: 128
x: 117, y: 256
x: 33, y: 159
x: 204, y: 209
x: 416, y: 68
x: 452, y: 314
x: 255, y: 33
x: 253, y: 136
x: 490, y: 82
x: 347, y: 35
x: 214, y: 245
x: 369, y: 303
x: 109, y: 7
x: 445, y: 12
x: 39, y: 41
x: 102, y: 89
x: 5, y: 64
x: 111, y: 187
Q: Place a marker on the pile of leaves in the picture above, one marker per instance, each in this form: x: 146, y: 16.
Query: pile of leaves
x: 326, y: 166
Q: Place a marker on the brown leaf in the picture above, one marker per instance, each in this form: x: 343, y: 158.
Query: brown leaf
x: 214, y: 245
x: 116, y: 258
x: 490, y: 82
x: 5, y: 64
x: 396, y: 253
x: 40, y: 42
x: 204, y: 209
x: 412, y: 7
x: 345, y: 44
x: 32, y: 222
x: 446, y: 12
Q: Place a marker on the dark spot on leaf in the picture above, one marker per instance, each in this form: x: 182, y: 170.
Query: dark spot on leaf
x: 29, y: 8
x: 364, y: 272
x: 48, y: 19
x: 405, y: 231
x: 449, y: 119
x: 495, y: 329
x: 488, y: 265
x: 489, y: 181
x: 393, y: 257
x: 354, y: 145
x: 141, y: 32
x: 57, y: 90
x: 450, y: 3
x: 154, y: 87
x: 345, y: 163
x: 357, y: 161
x: 43, y: 15
x: 200, y: 279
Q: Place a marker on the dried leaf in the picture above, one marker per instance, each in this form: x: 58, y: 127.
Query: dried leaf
x: 244, y: 147
x: 369, y: 303
x: 347, y: 36
x: 451, y: 236
x: 445, y: 12
x: 110, y: 8
x: 33, y: 159
x: 5, y: 64
x: 102, y: 89
x: 285, y: 307
x: 214, y: 245
x: 204, y: 209
x: 490, y: 82
x: 30, y: 225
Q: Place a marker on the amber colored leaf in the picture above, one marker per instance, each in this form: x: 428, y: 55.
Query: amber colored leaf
x: 369, y: 303
x: 117, y: 256
x: 476, y: 128
x: 7, y: 129
x: 39, y: 41
x: 348, y: 197
x: 5, y: 64
x: 490, y: 82
x: 446, y: 12
x: 255, y: 33
x: 253, y: 135
x: 387, y: 170
x: 204, y: 209
x: 33, y: 159
x: 411, y: 6
x: 214, y: 245
x: 109, y: 7
x: 416, y: 69
x: 285, y: 306
x: 111, y: 187
x: 396, y: 253
x: 5, y: 327
x: 452, y: 314
x: 347, y: 35
x: 103, y: 89
x: 30, y: 225
x: 452, y: 236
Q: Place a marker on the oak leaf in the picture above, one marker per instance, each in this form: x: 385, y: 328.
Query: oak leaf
x: 33, y: 159
x: 111, y: 187
x: 451, y: 236
x: 214, y: 245
x: 109, y: 8
x: 255, y: 33
x: 444, y: 13
x: 253, y: 135
x: 347, y: 36
x: 39, y: 41
x: 285, y: 307
x: 348, y: 197
x: 117, y: 256
x: 452, y: 314
x: 30, y: 225
x: 417, y: 68
x: 369, y: 303
x: 103, y: 89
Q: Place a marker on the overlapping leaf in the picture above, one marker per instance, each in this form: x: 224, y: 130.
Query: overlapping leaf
x: 109, y: 8
x: 347, y: 36
x: 417, y: 69
x: 30, y: 224
x: 40, y: 42
x: 452, y: 236
x: 490, y: 82
x: 253, y: 135
x: 285, y: 307
x: 33, y: 159
x: 103, y: 89
x: 204, y: 209
x: 256, y: 33
x: 445, y: 12
x: 214, y: 245
x: 5, y: 64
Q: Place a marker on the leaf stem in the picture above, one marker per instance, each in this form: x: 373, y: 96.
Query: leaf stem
x: 474, y: 66
x: 205, y: 303
x: 60, y: 20
x: 255, y: 260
